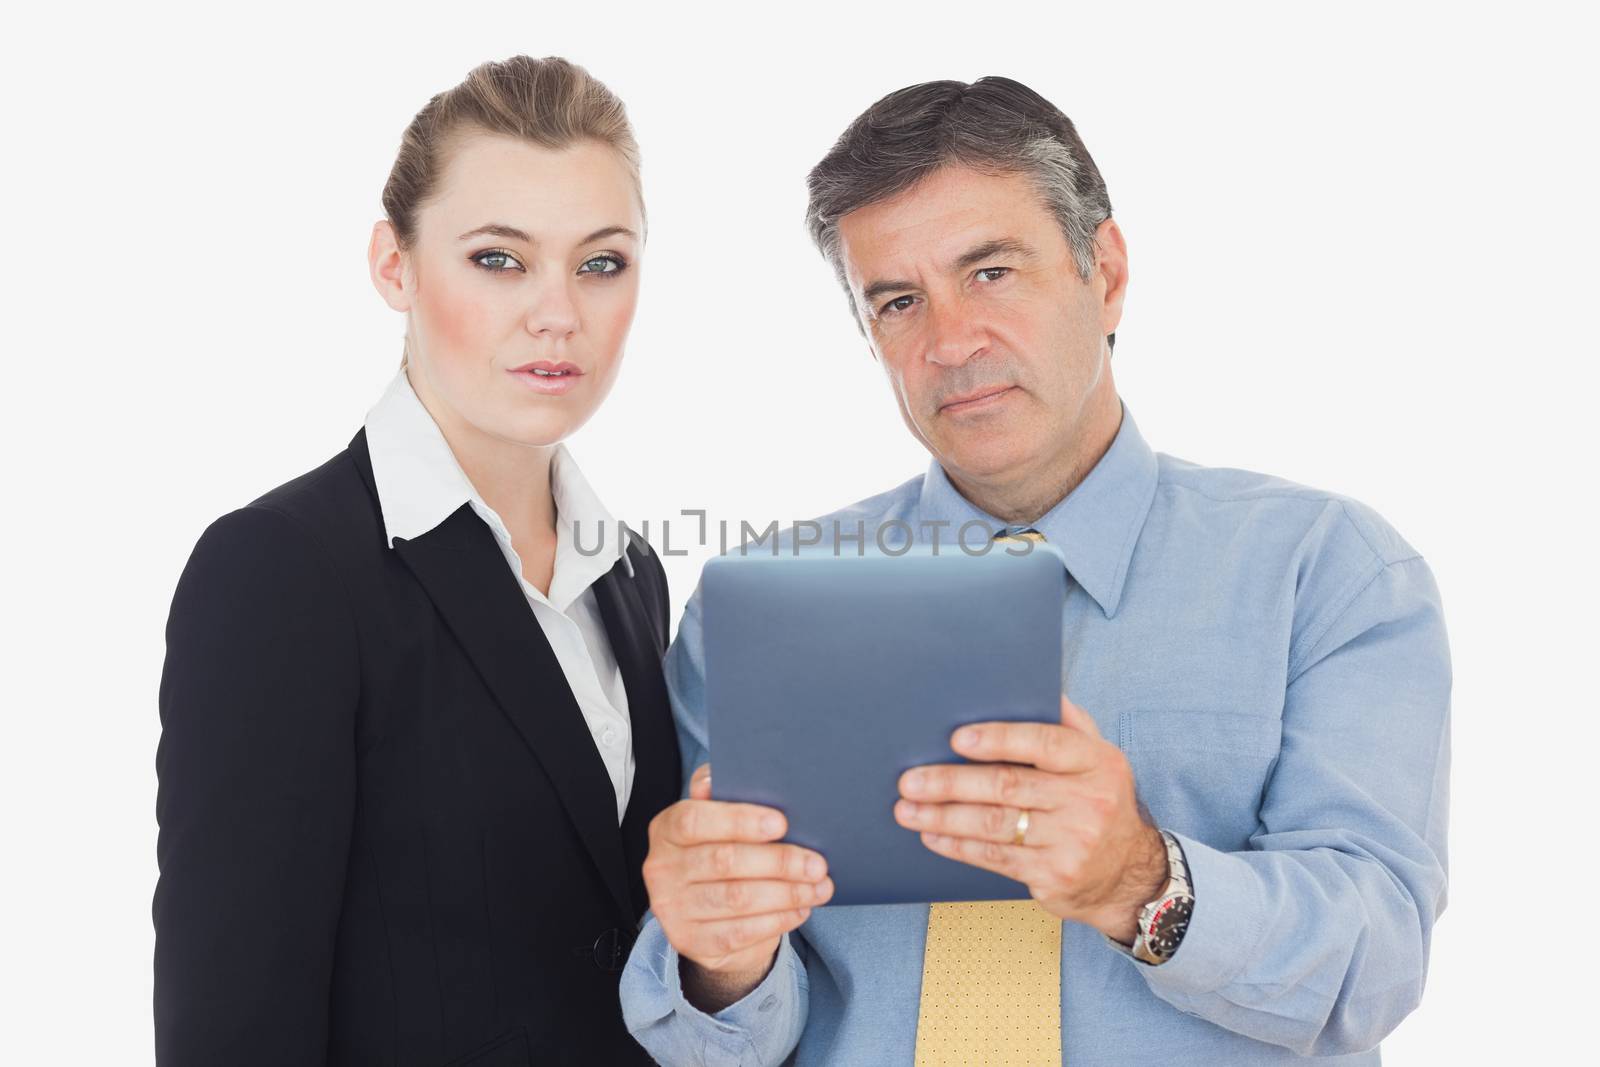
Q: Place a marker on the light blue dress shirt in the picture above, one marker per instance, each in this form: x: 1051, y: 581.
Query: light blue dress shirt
x: 1272, y: 660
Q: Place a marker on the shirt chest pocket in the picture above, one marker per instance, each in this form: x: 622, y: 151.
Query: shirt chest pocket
x: 1201, y: 773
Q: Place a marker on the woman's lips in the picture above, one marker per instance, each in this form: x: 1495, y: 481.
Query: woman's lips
x: 550, y: 379
x: 976, y: 402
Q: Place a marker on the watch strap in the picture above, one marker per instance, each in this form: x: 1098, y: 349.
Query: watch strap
x: 1177, y: 887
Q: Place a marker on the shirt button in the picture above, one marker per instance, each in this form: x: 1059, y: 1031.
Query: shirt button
x: 608, y: 736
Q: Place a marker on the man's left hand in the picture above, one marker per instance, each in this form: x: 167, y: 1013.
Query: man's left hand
x: 1088, y: 854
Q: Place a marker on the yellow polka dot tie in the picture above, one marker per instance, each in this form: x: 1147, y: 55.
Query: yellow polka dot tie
x: 991, y: 986
x: 991, y: 977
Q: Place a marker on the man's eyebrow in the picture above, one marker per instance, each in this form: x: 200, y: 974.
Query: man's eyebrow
x: 1003, y: 246
x: 871, y: 293
x: 500, y: 229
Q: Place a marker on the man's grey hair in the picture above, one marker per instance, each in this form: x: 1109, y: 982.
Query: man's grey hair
x: 994, y: 125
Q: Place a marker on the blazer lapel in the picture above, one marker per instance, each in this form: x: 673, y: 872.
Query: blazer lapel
x: 466, y: 577
x: 655, y: 741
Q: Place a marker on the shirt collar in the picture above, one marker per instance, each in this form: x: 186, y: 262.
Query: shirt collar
x: 420, y: 484
x: 1095, y: 527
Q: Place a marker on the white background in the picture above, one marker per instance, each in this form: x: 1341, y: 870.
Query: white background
x: 1362, y: 242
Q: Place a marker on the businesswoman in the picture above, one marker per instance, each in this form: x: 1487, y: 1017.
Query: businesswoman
x: 413, y: 721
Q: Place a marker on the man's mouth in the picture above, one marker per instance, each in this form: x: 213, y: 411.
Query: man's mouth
x: 977, y: 398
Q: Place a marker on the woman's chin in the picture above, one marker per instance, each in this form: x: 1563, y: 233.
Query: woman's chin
x: 540, y: 429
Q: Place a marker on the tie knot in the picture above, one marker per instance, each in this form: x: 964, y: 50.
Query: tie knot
x: 1014, y: 534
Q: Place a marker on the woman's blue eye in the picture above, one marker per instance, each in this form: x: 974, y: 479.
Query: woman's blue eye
x: 497, y: 262
x: 601, y: 265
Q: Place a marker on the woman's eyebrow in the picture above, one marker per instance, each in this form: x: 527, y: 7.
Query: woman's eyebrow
x: 609, y: 231
x: 500, y: 229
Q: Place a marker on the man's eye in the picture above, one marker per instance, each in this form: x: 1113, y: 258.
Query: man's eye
x: 496, y: 261
x: 897, y: 305
x: 601, y: 265
x: 993, y: 274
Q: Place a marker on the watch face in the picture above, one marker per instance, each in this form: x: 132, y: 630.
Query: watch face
x: 1168, y: 926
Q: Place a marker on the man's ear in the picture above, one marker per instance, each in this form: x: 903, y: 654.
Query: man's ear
x: 387, y: 265
x: 1111, y: 273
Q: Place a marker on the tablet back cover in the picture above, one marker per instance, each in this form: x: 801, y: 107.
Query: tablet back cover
x: 829, y: 676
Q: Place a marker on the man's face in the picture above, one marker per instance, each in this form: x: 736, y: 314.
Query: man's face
x: 971, y: 300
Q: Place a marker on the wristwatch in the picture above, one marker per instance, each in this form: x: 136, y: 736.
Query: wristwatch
x: 1163, y: 921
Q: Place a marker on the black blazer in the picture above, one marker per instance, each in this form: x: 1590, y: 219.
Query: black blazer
x: 386, y: 836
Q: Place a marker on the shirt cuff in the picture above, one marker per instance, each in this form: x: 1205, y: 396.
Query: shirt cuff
x: 1227, y: 922
x: 758, y: 1022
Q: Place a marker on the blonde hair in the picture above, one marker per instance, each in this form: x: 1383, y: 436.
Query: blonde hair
x: 549, y: 102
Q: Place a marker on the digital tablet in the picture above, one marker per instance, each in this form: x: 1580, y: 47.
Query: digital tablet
x: 828, y: 676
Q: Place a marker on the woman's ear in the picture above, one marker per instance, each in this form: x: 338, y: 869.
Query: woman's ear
x: 387, y: 264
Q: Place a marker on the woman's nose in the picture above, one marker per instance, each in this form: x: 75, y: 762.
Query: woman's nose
x: 553, y: 312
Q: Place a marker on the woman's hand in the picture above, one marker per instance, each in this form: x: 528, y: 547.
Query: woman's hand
x: 725, y: 891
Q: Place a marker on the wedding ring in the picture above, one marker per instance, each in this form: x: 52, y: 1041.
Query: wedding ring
x: 1022, y: 827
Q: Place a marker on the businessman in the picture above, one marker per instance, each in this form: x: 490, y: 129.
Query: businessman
x: 1234, y: 839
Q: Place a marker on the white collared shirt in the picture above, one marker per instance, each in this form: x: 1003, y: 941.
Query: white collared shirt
x: 420, y: 484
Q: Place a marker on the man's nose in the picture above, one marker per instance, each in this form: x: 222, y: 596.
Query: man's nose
x: 553, y: 313
x: 953, y: 335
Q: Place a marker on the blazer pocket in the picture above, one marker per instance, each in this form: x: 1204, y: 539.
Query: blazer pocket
x: 1202, y: 772
x: 508, y: 1050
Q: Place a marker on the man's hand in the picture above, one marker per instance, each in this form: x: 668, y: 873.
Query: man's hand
x: 1088, y: 854
x: 725, y: 892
